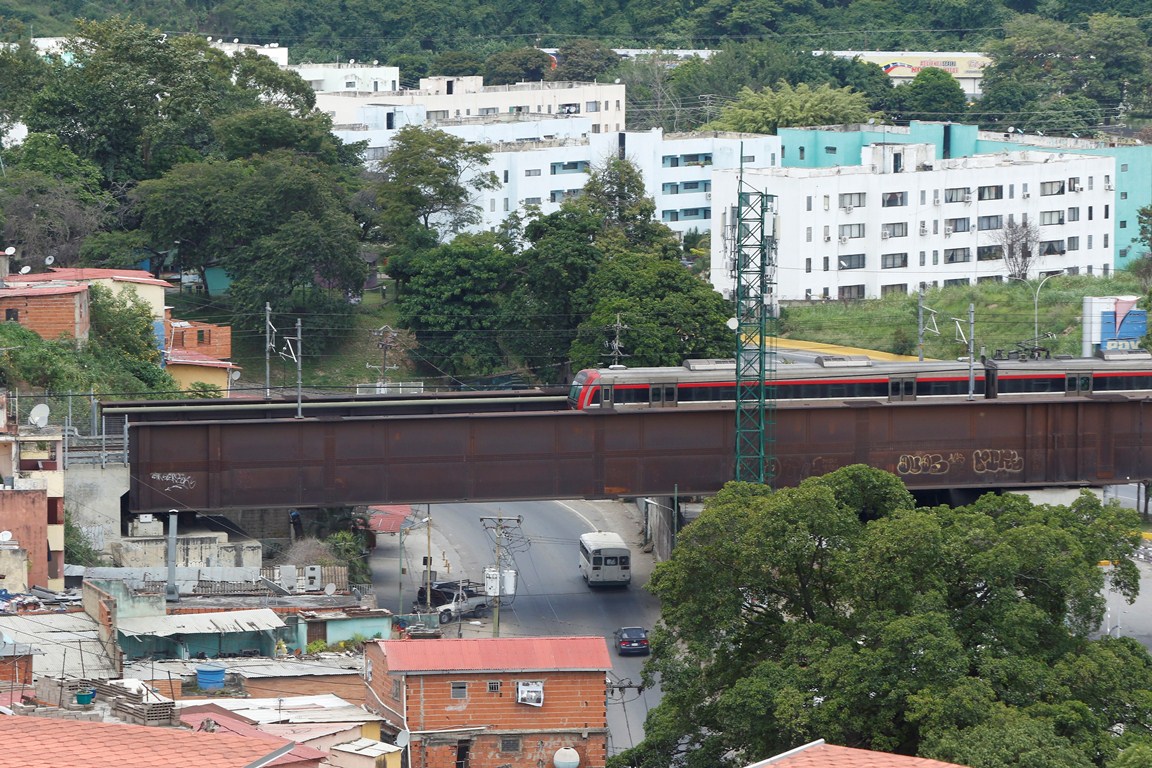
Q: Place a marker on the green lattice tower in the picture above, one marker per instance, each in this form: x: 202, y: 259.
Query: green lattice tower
x: 756, y: 329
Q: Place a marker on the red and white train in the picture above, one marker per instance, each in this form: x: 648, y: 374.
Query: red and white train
x: 712, y: 383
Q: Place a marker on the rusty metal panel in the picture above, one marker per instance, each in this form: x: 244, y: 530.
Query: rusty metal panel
x: 397, y: 459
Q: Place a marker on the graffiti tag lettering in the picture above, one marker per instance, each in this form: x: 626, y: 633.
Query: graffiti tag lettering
x: 994, y: 460
x: 924, y: 464
x: 177, y: 481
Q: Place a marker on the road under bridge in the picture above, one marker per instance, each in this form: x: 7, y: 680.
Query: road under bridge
x: 238, y: 463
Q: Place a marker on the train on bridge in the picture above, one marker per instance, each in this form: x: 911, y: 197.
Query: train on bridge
x: 712, y: 383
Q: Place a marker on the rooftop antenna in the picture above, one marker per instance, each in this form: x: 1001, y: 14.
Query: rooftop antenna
x: 616, y: 350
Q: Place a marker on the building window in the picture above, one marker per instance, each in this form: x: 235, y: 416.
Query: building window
x: 1123, y: 167
x: 893, y: 260
x: 531, y: 201
x: 557, y: 196
x: 801, y: 153
x: 826, y: 263
x: 895, y: 229
x: 1089, y: 242
x: 1048, y: 218
x: 572, y: 166
x: 957, y: 195
x: 1074, y: 184
x: 1105, y: 240
x: 1048, y: 188
x: 985, y: 223
x: 896, y: 288
x: 670, y: 216
x: 956, y: 225
x: 670, y: 161
x: 923, y: 256
x: 989, y: 252
x: 532, y: 172
x: 1074, y: 243
x: 851, y: 292
x: 957, y: 255
x: 995, y: 192
x: 1106, y: 209
x: 959, y: 281
x: 592, y: 106
x: 1051, y: 247
x: 852, y: 200
x: 397, y: 690
x: 1123, y: 224
x: 808, y: 264
x: 894, y: 199
x: 829, y: 150
x: 1123, y: 195
x: 852, y: 261
x: 670, y: 189
x: 459, y: 690
x: 493, y: 686
x: 809, y: 203
x: 990, y: 279
x: 808, y: 235
x: 509, y: 743
x: 492, y: 205
x: 1073, y: 214
x: 851, y: 230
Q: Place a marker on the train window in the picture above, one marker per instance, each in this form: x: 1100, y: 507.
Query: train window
x: 670, y: 393
x: 607, y: 394
x: 595, y: 399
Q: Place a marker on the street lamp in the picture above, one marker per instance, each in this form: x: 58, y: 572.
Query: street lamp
x: 1036, y: 299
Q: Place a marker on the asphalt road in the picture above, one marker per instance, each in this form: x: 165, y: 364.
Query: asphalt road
x: 551, y: 598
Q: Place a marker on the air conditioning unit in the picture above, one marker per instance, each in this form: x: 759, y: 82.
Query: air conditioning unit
x: 947, y: 231
x: 923, y: 228
x: 707, y: 195
x: 1108, y: 188
x: 827, y: 238
x: 967, y: 197
x: 884, y: 235
x: 1026, y: 195
x: 936, y: 200
x: 843, y: 239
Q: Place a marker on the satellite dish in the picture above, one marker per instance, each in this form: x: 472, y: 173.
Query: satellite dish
x: 403, y: 738
x: 234, y: 375
x: 25, y: 269
x: 49, y: 260
x: 235, y: 39
x: 39, y: 415
x: 5, y: 535
x: 356, y: 594
x: 329, y: 589
x: 10, y: 251
x: 732, y: 323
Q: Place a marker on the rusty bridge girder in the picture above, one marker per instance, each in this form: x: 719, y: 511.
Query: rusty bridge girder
x: 235, y: 464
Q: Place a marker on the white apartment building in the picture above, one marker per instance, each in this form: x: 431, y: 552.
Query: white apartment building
x: 677, y: 171
x: 353, y: 77
x: 448, y: 98
x: 904, y: 217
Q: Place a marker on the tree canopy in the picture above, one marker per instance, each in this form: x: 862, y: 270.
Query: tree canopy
x: 841, y: 611
x: 784, y: 106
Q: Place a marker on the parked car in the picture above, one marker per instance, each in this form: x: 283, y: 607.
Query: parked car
x: 629, y: 640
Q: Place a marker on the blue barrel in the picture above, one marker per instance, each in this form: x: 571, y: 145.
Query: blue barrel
x: 210, y: 677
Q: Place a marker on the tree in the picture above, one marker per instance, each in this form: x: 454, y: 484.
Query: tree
x: 932, y: 95
x: 428, y: 180
x: 1019, y: 242
x: 453, y: 302
x: 770, y: 109
x: 584, y: 61
x: 843, y: 612
x: 46, y: 217
x: 517, y: 65
x: 458, y: 64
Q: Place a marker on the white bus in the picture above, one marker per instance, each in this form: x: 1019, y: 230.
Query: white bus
x: 605, y: 559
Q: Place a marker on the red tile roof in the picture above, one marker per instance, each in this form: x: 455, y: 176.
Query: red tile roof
x: 233, y: 724
x: 44, y: 290
x: 83, y: 274
x: 821, y: 755
x: 497, y: 654
x: 181, y: 356
x: 387, y: 518
x: 49, y: 743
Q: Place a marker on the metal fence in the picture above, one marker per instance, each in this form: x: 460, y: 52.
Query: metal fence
x: 89, y: 437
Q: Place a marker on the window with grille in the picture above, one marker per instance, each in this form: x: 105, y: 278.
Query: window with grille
x: 493, y: 686
x: 459, y: 690
x: 509, y: 743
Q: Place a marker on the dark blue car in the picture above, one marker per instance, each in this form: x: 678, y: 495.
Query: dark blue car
x: 631, y: 640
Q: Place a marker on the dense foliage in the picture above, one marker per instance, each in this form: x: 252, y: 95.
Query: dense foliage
x: 843, y: 612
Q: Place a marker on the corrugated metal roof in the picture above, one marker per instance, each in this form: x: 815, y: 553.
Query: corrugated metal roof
x: 497, y: 654
x: 325, y: 708
x: 368, y: 748
x: 70, y: 641
x: 202, y: 623
x: 821, y: 755
x: 387, y: 518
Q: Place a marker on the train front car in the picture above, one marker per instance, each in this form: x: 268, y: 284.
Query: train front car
x: 585, y: 390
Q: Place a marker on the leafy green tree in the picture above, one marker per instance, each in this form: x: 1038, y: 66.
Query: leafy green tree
x: 932, y: 95
x: 844, y: 613
x: 427, y: 182
x: 22, y: 74
x: 453, y: 302
x: 784, y: 106
x: 266, y: 128
x: 44, y: 217
x: 584, y: 61
x: 78, y: 548
x: 458, y: 64
x: 517, y: 65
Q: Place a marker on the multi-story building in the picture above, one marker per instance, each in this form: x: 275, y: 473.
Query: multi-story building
x: 352, y: 77
x: 1128, y: 186
x: 903, y: 66
x: 901, y: 216
x: 492, y: 702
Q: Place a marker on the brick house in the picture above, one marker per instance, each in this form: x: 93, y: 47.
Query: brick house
x: 483, y: 703
x: 51, y: 311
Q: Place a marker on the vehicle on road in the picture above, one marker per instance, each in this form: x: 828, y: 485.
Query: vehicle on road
x: 631, y: 640
x: 605, y: 560
x: 453, y: 599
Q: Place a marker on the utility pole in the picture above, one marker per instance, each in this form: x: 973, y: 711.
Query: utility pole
x: 269, y: 343
x: 920, y: 322
x: 388, y: 340
x: 295, y: 353
x: 500, y: 525
x: 616, y: 350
